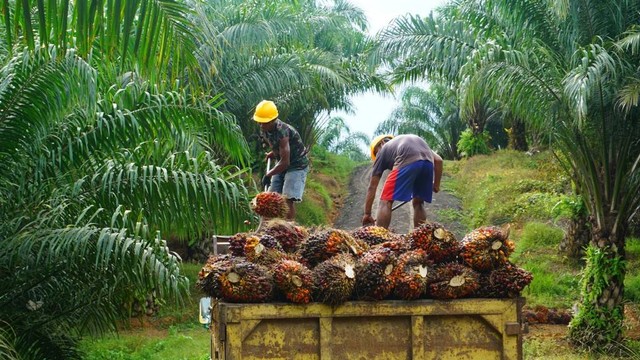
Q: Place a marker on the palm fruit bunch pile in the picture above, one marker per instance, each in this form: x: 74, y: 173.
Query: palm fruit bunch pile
x: 283, y: 262
x: 373, y: 235
x: 326, y: 243
x: 208, y: 276
x: 412, y: 274
x: 269, y: 205
x: 506, y: 281
x: 288, y: 235
x: 334, y: 279
x: 439, y: 243
x: 373, y: 274
x: 453, y: 281
x: 246, y: 282
x: 294, y: 281
x: 487, y: 248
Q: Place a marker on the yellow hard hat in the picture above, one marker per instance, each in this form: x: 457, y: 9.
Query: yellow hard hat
x: 265, y: 111
x: 375, y: 143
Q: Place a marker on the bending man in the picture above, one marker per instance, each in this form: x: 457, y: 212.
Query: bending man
x: 415, y: 175
x: 290, y: 172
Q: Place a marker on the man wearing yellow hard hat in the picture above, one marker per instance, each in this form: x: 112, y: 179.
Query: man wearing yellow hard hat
x: 415, y: 175
x: 289, y: 175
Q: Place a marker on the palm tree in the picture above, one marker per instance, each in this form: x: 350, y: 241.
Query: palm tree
x: 572, y: 69
x: 431, y: 114
x: 336, y: 137
x: 156, y: 38
x: 89, y: 184
x: 306, y: 57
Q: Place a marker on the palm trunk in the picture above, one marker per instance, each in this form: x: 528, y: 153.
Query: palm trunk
x: 577, y: 237
x: 517, y: 136
x: 598, y: 322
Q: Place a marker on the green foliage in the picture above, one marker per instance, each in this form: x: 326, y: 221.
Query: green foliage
x: 597, y: 325
x: 327, y: 181
x: 184, y: 342
x: 89, y: 184
x: 632, y: 276
x: 555, y: 283
x: 471, y: 144
x: 537, y: 235
x: 314, y: 210
x: 508, y: 186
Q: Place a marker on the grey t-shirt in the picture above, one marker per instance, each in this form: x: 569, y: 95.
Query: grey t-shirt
x: 402, y: 150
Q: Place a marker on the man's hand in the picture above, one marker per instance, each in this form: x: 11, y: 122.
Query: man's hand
x: 266, y: 181
x: 269, y: 155
x: 368, y: 220
x: 436, y: 188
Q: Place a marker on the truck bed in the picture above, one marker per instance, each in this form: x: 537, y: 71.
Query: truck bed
x: 421, y: 329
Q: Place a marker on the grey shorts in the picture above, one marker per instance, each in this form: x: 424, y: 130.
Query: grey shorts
x: 290, y: 183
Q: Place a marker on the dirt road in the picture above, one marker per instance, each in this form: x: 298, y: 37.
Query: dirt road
x: 350, y: 216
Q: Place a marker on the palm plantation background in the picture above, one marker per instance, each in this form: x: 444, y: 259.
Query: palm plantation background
x: 124, y: 123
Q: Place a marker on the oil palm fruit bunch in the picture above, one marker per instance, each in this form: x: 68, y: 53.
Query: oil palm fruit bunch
x: 506, y: 281
x: 265, y: 250
x: 487, y: 248
x: 334, y: 279
x: 439, y: 243
x: 325, y: 244
x: 246, y: 282
x: 269, y: 204
x: 237, y: 242
x: 209, y: 275
x: 288, y: 235
x: 399, y: 246
x: 373, y: 274
x: 453, y: 281
x: 412, y: 274
x: 294, y: 281
x: 255, y: 244
x: 373, y: 235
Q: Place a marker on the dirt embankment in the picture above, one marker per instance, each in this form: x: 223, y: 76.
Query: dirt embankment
x: 350, y: 215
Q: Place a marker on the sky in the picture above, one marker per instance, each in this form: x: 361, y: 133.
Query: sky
x: 371, y: 109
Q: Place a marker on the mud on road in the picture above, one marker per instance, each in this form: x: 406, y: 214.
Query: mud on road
x: 350, y: 215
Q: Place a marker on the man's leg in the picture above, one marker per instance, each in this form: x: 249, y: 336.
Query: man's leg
x: 293, y: 188
x: 419, y: 213
x: 384, y: 213
x: 291, y: 214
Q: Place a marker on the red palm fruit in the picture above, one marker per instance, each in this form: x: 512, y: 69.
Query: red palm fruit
x: 294, y: 281
x: 334, y: 279
x: 246, y: 282
x: 373, y: 274
x: 373, y: 235
x: 257, y: 244
x: 486, y: 248
x: 287, y: 234
x: 208, y: 281
x: 439, y: 243
x: 269, y: 205
x: 398, y: 247
x: 237, y: 242
x: 326, y: 243
x: 412, y: 274
x: 507, y: 281
x: 453, y: 281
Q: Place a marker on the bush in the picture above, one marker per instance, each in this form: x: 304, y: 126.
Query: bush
x: 470, y: 144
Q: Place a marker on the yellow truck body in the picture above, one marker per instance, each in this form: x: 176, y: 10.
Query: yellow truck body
x: 480, y: 329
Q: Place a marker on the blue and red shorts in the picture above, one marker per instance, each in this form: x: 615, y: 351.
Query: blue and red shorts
x: 413, y: 180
